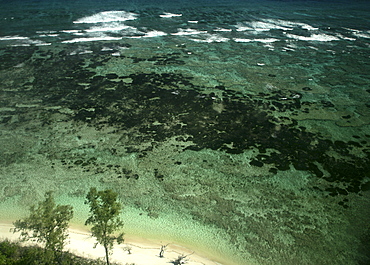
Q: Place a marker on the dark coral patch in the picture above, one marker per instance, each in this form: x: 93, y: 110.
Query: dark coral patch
x: 154, y: 107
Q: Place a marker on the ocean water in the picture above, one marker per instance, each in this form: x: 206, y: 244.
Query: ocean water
x: 237, y: 128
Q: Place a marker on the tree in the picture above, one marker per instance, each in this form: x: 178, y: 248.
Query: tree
x: 161, y: 252
x: 46, y: 224
x: 180, y: 260
x: 104, y: 218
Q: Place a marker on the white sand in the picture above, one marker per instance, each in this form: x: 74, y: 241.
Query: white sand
x: 143, y: 252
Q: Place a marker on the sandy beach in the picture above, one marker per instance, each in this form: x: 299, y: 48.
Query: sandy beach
x: 143, y: 251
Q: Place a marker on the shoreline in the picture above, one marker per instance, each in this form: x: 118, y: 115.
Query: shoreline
x: 143, y: 251
x: 140, y: 232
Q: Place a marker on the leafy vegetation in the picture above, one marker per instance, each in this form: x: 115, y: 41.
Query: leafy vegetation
x: 104, y: 218
x: 47, y: 224
x: 13, y: 253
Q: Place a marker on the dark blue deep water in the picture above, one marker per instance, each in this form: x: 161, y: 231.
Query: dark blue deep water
x: 239, y: 129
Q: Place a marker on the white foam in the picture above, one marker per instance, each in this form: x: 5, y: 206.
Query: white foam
x: 272, y: 24
x: 259, y: 26
x: 188, y: 31
x: 344, y: 37
x: 16, y: 37
x: 81, y: 52
x: 169, y: 15
x: 287, y: 49
x: 107, y: 16
x: 48, y: 35
x: 102, y: 22
x: 32, y: 42
x: 79, y: 34
x: 105, y: 49
x: 308, y: 27
x: 209, y: 38
x: 313, y: 37
x: 266, y: 26
x: 292, y: 46
x: 242, y: 40
x: 313, y: 48
x: 100, y: 38
x: 362, y: 34
x: 269, y: 46
x: 266, y: 40
x: 111, y: 27
x: 289, y: 25
x: 222, y: 30
x: 352, y: 30
x: 154, y: 33
x: 242, y: 27
x: 46, y: 32
x: 358, y: 33
x: 72, y: 31
x: 23, y: 41
x: 150, y: 34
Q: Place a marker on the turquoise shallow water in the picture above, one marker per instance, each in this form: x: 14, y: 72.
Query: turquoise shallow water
x: 238, y: 128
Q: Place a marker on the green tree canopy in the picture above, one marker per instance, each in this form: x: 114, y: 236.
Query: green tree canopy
x: 104, y: 218
x: 46, y: 224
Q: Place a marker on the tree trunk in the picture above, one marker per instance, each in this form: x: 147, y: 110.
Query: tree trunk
x: 106, y: 254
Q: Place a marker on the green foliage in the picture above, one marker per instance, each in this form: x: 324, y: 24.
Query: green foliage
x: 8, y: 249
x: 46, y: 224
x: 104, y: 218
x: 12, y: 253
x: 3, y: 260
x: 36, y: 256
